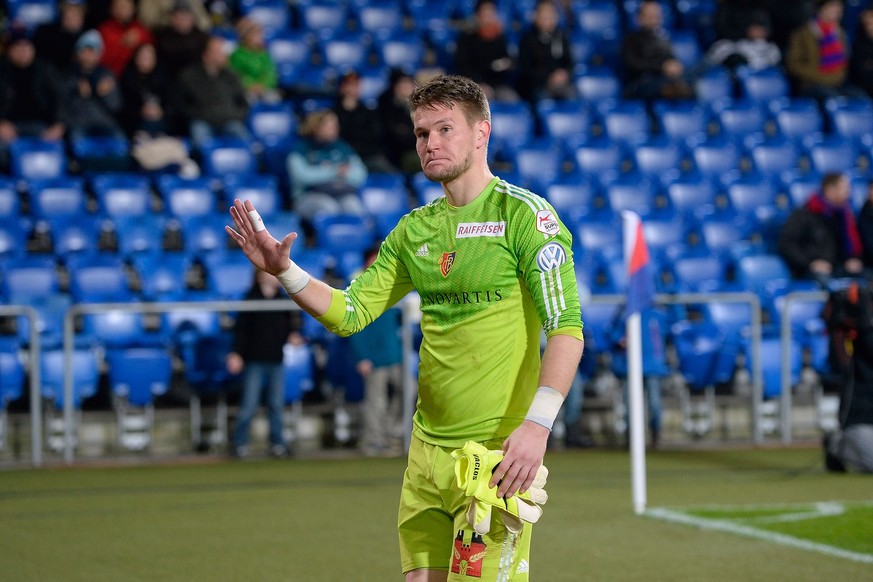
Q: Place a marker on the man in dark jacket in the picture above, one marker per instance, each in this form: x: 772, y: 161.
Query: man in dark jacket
x: 651, y: 67
x: 820, y: 240
x: 212, y: 98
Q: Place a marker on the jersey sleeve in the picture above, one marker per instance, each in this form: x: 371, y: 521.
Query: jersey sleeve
x: 370, y: 294
x: 544, y: 248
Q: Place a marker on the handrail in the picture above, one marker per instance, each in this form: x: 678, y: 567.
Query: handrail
x: 35, y: 380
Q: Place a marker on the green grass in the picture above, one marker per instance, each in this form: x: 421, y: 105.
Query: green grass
x: 328, y: 520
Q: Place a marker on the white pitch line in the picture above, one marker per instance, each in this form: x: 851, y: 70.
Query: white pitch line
x: 776, y: 538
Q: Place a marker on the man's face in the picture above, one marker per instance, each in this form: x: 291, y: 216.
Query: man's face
x: 446, y: 142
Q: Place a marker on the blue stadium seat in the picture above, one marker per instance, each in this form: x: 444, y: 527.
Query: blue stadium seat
x: 162, y: 275
x: 851, y: 118
x: 763, y: 85
x: 832, y: 154
x: 775, y: 155
x: 227, y: 155
x: 797, y: 118
x: 98, y: 279
x: 57, y: 198
x: 36, y: 159
x: 186, y: 197
x: 346, y: 50
x: 595, y: 83
x: 625, y: 121
x: 85, y: 376
x: 122, y: 194
x: 567, y: 121
x: 262, y: 190
x: 714, y: 84
x: 229, y: 276
x: 687, y: 122
x: 511, y: 124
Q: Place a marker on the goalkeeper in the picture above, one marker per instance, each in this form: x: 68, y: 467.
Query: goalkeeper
x: 493, y: 267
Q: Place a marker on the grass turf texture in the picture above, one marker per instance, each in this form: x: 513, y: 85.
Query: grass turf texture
x: 326, y: 520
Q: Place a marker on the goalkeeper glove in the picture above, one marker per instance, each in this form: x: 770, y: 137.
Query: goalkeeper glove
x: 474, y: 465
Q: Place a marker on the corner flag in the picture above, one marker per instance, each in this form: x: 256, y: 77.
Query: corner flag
x: 640, y: 296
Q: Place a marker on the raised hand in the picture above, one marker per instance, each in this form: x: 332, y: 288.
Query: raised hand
x: 264, y: 251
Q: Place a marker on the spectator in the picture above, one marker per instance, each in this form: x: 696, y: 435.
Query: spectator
x: 92, y: 98
x: 181, y: 42
x: 651, y: 68
x: 393, y: 108
x: 325, y: 171
x: 818, y: 54
x: 55, y: 41
x: 482, y: 53
x: 820, y: 240
x: 144, y: 90
x: 156, y: 14
x: 212, y: 98
x: 545, y: 63
x: 122, y: 32
x: 259, y: 340
x: 360, y: 126
x: 865, y: 228
x: 253, y: 64
x: 378, y: 355
x: 753, y: 50
x: 30, y: 99
x: 861, y: 62
x: 653, y: 322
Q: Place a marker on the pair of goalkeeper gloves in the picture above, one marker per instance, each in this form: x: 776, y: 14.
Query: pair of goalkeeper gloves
x: 474, y: 465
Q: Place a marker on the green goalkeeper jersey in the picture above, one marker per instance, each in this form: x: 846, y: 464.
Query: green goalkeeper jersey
x: 492, y: 275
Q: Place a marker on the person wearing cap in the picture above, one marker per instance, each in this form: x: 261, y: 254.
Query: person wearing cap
x: 91, y: 94
x: 212, y: 99
x: 254, y: 65
x: 157, y: 14
x: 30, y: 99
x: 122, y: 32
x: 181, y: 41
x: 54, y: 41
x: 817, y: 58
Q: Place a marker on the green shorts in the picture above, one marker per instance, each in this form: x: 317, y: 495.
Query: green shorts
x: 434, y: 532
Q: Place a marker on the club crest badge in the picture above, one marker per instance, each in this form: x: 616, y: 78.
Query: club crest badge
x: 467, y: 558
x: 446, y: 263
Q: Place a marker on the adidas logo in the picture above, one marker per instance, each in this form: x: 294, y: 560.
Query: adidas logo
x: 422, y: 251
x: 523, y: 567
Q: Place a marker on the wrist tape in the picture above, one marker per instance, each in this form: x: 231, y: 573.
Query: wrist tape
x: 545, y: 406
x: 294, y: 279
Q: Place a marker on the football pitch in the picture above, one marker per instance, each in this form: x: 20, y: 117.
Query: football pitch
x: 728, y: 514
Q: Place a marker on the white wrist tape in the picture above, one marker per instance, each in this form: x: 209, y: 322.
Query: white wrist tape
x: 257, y: 222
x: 545, y: 406
x: 294, y: 279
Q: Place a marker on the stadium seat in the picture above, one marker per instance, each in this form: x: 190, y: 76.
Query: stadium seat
x: 122, y: 194
x: 851, y: 118
x: 715, y: 84
x: 682, y: 121
x: 567, y: 121
x: 186, y: 197
x: 262, y: 190
x: 226, y: 155
x: 36, y: 159
x: 595, y: 83
x: 625, y: 121
x: 763, y: 85
x: 55, y: 198
x: 797, y: 118
x: 136, y: 377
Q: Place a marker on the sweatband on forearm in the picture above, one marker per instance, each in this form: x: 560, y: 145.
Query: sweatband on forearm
x: 294, y: 279
x: 545, y: 406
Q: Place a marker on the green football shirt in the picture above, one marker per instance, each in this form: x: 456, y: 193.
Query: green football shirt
x: 492, y: 275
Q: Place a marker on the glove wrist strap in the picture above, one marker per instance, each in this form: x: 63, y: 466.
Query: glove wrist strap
x: 545, y: 406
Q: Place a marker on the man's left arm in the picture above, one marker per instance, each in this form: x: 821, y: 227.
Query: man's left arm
x: 525, y: 448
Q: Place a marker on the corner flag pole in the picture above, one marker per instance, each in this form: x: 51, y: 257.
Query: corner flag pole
x: 641, y: 293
